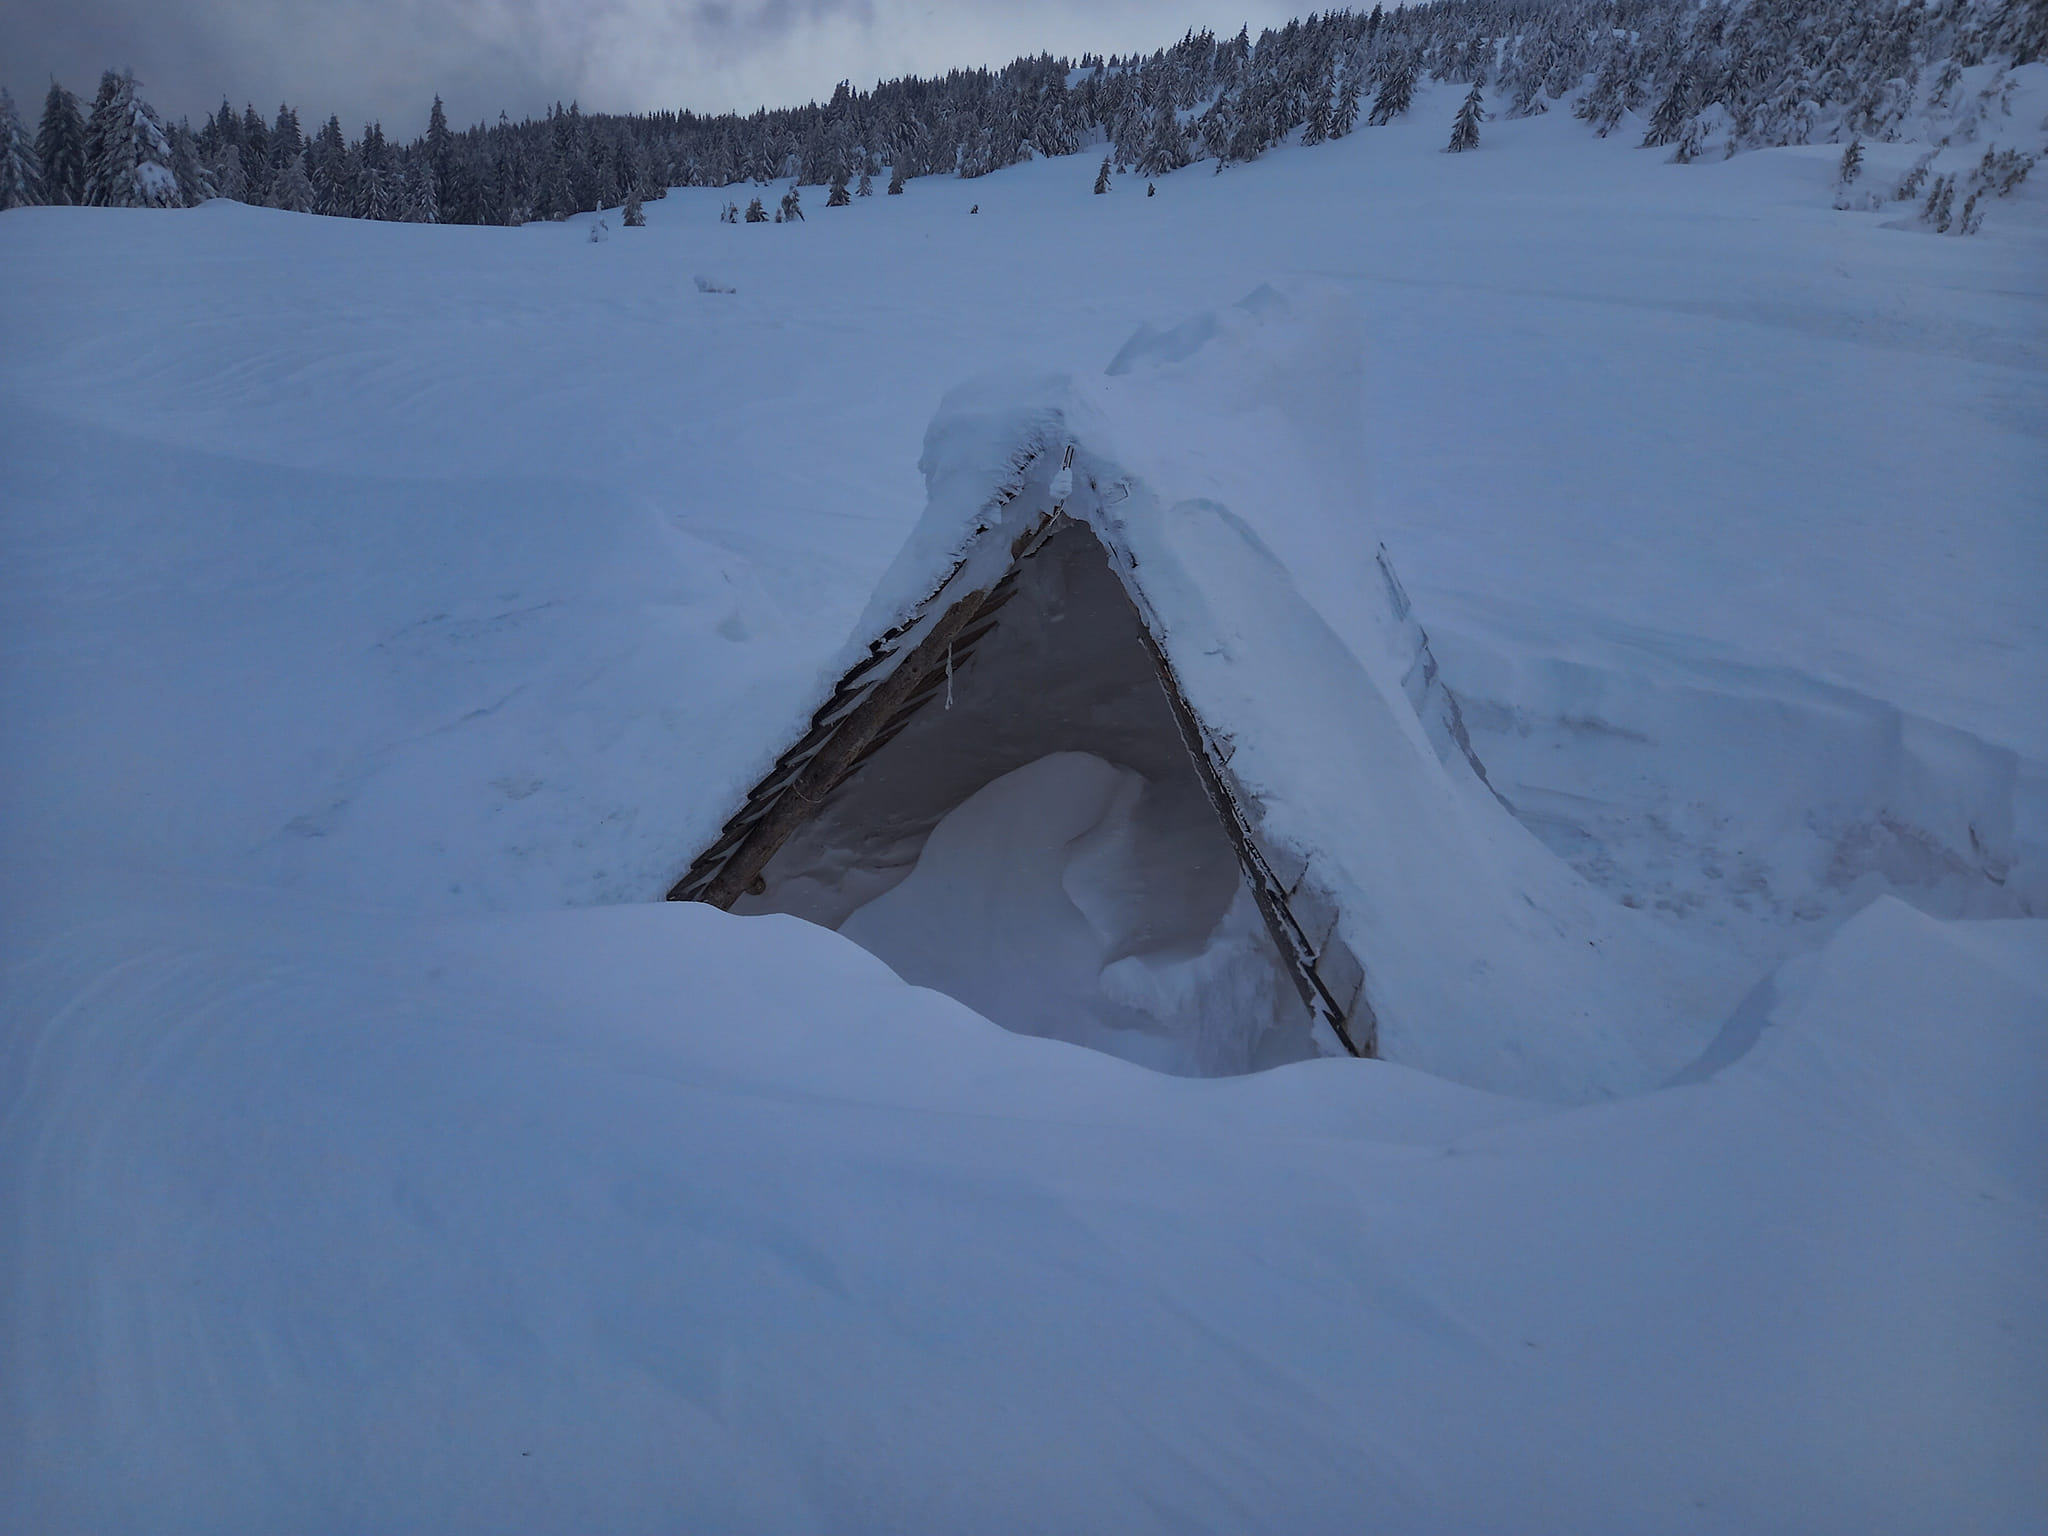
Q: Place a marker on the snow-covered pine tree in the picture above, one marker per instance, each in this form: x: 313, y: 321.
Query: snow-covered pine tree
x: 839, y: 197
x: 1852, y: 162
x: 1522, y: 77
x: 1396, y: 94
x: 1940, y: 199
x: 1616, y: 89
x: 378, y: 190
x: 255, y: 156
x: 1667, y: 123
x: 328, y: 168
x: 60, y: 147
x: 1317, y: 127
x: 792, y: 207
x: 195, y: 178
x: 440, y: 145
x: 756, y: 214
x: 1465, y: 129
x: 896, y: 178
x: 287, y: 143
x: 127, y: 152
x: 866, y: 187
x: 1687, y: 149
x: 1942, y: 98
x: 1170, y: 146
x: 633, y: 216
x: 21, y: 172
x: 422, y: 203
x: 1102, y: 177
x: 290, y: 188
x: 2002, y: 170
x: 1915, y: 178
x: 1345, y: 117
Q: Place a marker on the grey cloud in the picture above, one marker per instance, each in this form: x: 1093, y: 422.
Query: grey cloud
x: 387, y: 59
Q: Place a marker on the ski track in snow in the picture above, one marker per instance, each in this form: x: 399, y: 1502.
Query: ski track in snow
x: 369, y: 593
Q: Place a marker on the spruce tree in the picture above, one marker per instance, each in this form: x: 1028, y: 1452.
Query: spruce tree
x: 1689, y: 138
x: 439, y: 141
x: 287, y: 143
x: 756, y: 214
x: 327, y: 168
x: 195, y: 181
x: 422, y: 202
x: 1166, y: 147
x: 378, y: 191
x: 866, y: 187
x: 223, y: 171
x: 290, y: 188
x: 1940, y: 200
x: 1465, y: 131
x: 1667, y: 123
x: 1852, y: 162
x: 1319, y: 125
x: 633, y: 216
x: 1909, y: 185
x: 127, y: 152
x: 255, y: 156
x: 896, y: 178
x: 839, y: 197
x: 21, y: 173
x: 1970, y: 219
x: 1102, y: 177
x: 1397, y: 92
x: 1345, y: 118
x: 60, y: 146
x: 792, y: 207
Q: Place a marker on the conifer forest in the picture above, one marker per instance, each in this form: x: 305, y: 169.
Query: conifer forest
x: 1713, y: 79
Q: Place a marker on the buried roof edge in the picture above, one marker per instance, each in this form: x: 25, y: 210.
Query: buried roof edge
x: 1223, y: 477
x: 1003, y: 479
x: 900, y: 672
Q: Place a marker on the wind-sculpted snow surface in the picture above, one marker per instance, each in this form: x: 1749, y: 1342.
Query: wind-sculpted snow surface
x: 651, y: 1218
x: 372, y: 595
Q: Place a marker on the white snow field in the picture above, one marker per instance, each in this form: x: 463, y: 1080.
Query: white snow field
x: 389, y: 613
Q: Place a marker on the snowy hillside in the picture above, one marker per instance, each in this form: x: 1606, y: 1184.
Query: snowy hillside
x: 389, y: 613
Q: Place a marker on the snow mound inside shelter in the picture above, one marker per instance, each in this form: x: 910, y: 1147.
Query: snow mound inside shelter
x: 1218, y: 463
x: 1038, y: 844
x: 1048, y: 902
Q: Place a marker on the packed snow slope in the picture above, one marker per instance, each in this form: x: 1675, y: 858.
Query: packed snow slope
x: 373, y: 595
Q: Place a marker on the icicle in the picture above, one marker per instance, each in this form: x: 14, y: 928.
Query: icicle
x: 949, y: 674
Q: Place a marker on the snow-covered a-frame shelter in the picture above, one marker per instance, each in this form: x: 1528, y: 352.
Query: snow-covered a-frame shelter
x: 1140, y: 745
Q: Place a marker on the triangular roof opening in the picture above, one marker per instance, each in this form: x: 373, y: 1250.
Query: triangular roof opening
x: 1009, y: 799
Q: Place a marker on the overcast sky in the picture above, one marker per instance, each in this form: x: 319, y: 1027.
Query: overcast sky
x: 385, y: 59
